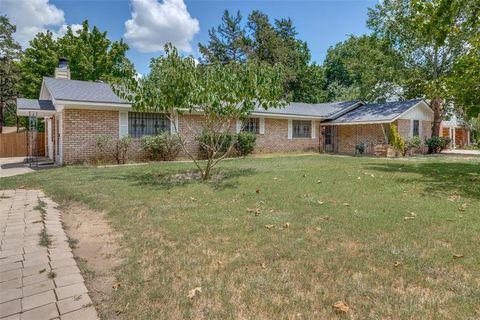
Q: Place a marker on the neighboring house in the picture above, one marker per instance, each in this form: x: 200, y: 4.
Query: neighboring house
x: 77, y: 112
x: 457, y: 130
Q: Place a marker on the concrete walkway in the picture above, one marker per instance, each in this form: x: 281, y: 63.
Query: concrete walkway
x: 13, y: 167
x: 39, y: 278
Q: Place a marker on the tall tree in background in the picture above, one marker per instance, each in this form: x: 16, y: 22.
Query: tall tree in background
x: 9, y: 54
x: 92, y: 56
x: 364, y: 68
x: 275, y: 44
x: 227, y: 41
x: 430, y: 36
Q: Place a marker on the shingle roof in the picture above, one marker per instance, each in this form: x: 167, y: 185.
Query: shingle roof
x: 35, y: 105
x: 324, y: 110
x: 376, y: 112
x: 85, y: 91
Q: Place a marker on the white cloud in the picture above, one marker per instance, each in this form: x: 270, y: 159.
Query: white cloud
x: 63, y: 29
x: 155, y: 23
x: 31, y: 17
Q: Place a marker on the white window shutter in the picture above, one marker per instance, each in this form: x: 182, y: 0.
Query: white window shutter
x: 290, y: 129
x: 314, y: 130
x: 174, y: 123
x: 262, y: 126
x: 238, y: 126
x: 122, y: 124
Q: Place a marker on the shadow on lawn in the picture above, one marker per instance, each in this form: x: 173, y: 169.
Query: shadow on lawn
x: 438, y: 178
x: 220, y: 179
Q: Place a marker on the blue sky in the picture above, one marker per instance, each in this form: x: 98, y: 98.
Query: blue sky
x: 320, y: 23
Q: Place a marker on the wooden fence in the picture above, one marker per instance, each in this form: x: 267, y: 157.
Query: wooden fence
x: 16, y: 144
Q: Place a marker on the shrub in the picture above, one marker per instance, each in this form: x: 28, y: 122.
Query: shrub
x: 114, y: 148
x: 245, y: 143
x: 412, y: 143
x: 396, y: 140
x: 437, y: 144
x: 211, y: 143
x: 164, y: 146
x: 361, y: 147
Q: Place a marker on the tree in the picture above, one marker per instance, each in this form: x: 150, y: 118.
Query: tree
x: 364, y: 68
x: 227, y: 42
x: 430, y: 36
x: 91, y: 55
x: 9, y: 53
x: 219, y: 93
x: 275, y: 44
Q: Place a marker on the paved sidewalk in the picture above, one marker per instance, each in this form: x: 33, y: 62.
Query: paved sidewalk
x: 39, y: 278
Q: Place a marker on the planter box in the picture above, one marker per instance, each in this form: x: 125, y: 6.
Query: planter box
x: 385, y: 150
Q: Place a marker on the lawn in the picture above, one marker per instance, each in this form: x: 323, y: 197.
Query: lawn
x: 287, y: 237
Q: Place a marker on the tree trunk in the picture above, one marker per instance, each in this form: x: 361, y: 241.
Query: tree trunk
x: 1, y: 116
x: 437, y: 106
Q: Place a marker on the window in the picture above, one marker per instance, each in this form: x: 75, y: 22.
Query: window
x: 302, y: 129
x: 416, y: 128
x: 252, y: 125
x: 143, y: 124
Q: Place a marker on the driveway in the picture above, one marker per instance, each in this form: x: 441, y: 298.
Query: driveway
x: 39, y: 278
x: 17, y: 165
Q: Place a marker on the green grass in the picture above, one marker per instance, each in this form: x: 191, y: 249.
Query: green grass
x: 179, y: 234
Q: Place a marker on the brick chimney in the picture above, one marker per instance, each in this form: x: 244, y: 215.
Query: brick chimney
x: 62, y: 71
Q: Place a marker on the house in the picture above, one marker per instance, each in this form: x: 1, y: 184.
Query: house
x: 77, y: 112
x: 457, y: 130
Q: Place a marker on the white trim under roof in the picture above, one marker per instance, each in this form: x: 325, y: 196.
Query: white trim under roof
x: 284, y: 116
x: 71, y: 104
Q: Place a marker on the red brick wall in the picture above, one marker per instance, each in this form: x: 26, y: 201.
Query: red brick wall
x: 81, y: 128
x: 348, y: 136
x: 276, y: 139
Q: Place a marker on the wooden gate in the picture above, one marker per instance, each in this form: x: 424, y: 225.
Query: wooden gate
x: 16, y: 144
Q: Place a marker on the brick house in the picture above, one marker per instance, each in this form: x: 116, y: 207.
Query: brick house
x: 77, y: 112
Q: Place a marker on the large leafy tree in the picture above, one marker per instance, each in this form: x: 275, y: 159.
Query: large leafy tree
x: 9, y: 54
x: 218, y: 93
x: 227, y: 41
x: 274, y: 43
x: 430, y: 36
x: 363, y: 68
x: 91, y: 54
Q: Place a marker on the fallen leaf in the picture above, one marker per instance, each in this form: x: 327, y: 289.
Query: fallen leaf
x: 275, y: 178
x: 286, y: 225
x: 192, y: 293
x: 463, y: 207
x: 303, y: 176
x: 257, y: 191
x: 340, y: 307
x: 409, y: 218
x: 117, y: 285
x: 319, y: 181
x: 192, y: 198
x: 372, y: 175
x: 318, y: 229
x: 397, y: 264
x: 269, y: 226
x: 326, y: 218
x: 453, y: 198
x: 457, y: 256
x: 346, y: 204
x: 359, y: 178
x: 412, y: 214
x: 320, y: 202
x: 264, y: 265
x: 450, y: 219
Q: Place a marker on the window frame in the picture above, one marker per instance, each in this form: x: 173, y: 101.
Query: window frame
x: 246, y: 127
x: 146, y: 119
x: 413, y: 128
x: 302, y: 123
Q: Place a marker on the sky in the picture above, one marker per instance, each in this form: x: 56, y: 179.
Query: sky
x: 147, y: 24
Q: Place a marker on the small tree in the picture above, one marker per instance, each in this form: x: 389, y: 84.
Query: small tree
x: 220, y: 94
x: 396, y: 140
